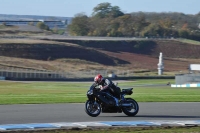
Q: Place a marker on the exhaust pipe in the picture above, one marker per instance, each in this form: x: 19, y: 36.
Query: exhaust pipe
x: 127, y: 105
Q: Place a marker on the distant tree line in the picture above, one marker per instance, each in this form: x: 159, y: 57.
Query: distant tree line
x: 108, y: 20
x: 42, y: 26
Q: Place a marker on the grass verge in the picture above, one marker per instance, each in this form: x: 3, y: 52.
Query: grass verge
x: 189, y: 41
x: 75, y: 92
x: 166, y: 129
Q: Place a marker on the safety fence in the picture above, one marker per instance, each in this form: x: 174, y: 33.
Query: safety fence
x: 35, y: 74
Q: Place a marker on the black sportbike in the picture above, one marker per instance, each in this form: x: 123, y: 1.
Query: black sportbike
x: 94, y: 106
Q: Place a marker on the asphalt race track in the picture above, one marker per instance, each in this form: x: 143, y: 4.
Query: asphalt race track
x: 48, y: 113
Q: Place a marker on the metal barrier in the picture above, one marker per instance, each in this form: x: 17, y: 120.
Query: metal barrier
x: 34, y: 74
x: 187, y: 78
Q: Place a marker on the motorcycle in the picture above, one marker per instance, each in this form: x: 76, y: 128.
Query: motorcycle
x: 94, y: 106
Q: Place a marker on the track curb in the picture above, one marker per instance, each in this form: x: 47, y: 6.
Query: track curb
x: 60, y: 125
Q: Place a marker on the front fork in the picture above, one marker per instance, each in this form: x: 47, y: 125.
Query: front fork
x: 95, y: 101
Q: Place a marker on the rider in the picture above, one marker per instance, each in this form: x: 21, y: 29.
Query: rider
x: 107, y: 85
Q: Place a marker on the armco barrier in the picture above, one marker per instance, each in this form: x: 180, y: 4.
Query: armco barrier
x: 33, y: 75
x: 33, y: 126
x: 89, y: 79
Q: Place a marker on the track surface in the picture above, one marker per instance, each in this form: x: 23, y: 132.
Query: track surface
x: 50, y: 113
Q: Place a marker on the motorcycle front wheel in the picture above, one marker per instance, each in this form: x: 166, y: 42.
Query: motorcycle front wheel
x: 133, y: 110
x: 92, y: 108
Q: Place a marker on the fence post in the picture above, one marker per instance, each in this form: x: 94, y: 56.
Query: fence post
x: 16, y: 71
x: 6, y: 73
x: 34, y: 74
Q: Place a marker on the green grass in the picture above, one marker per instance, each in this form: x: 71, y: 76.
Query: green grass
x: 65, y: 92
x: 2, y: 26
x: 7, y: 27
x: 166, y: 129
x: 189, y: 41
x: 59, y: 31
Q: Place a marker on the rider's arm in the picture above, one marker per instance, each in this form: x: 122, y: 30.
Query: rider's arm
x: 94, y: 84
x: 107, y: 84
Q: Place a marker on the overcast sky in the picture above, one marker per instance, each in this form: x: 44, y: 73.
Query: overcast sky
x: 68, y: 8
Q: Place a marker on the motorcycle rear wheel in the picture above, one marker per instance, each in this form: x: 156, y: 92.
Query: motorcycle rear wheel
x: 92, y: 108
x: 134, y: 108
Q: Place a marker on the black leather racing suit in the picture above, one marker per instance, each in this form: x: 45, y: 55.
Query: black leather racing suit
x: 108, y: 87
